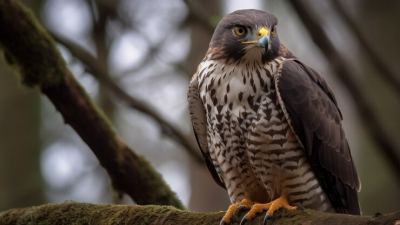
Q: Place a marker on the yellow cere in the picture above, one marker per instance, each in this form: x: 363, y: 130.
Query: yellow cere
x: 260, y: 33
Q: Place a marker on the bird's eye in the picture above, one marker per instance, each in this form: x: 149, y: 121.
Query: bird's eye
x: 239, y: 31
x: 273, y: 31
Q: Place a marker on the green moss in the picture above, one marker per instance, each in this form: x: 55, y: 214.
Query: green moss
x: 84, y: 213
x: 28, y: 46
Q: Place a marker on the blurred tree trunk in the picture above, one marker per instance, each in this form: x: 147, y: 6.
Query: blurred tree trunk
x: 201, y: 31
x: 371, y: 16
x: 99, y: 36
x: 21, y: 183
x: 206, y: 194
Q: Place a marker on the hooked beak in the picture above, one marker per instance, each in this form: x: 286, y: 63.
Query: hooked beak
x: 262, y: 38
x: 263, y: 41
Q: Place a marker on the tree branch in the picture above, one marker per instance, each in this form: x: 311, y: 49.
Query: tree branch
x: 85, y: 213
x: 30, y: 49
x: 102, y: 75
x: 339, y: 66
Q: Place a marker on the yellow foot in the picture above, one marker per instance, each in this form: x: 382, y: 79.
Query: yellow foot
x: 234, y: 208
x: 279, y: 203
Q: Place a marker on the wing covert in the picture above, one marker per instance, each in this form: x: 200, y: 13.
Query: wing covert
x: 313, y: 114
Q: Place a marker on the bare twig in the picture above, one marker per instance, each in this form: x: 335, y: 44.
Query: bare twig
x: 382, y: 68
x: 152, y: 52
x: 363, y: 105
x: 100, y: 73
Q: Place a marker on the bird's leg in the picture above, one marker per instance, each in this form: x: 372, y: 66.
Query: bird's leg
x: 276, y: 204
x: 234, y: 208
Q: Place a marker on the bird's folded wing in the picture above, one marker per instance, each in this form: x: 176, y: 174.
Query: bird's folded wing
x: 199, y: 121
x: 313, y: 114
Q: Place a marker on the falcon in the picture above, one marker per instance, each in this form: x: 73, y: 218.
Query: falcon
x: 268, y: 125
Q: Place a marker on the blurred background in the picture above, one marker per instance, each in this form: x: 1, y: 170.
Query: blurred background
x: 135, y: 59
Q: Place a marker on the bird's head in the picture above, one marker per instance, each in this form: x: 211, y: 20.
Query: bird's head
x: 247, y: 33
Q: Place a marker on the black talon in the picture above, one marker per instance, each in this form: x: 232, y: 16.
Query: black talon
x: 223, y: 222
x: 265, y: 219
x: 243, y: 221
x: 238, y: 209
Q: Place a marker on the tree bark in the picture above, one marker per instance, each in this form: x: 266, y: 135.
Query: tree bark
x: 85, y: 213
x: 32, y: 52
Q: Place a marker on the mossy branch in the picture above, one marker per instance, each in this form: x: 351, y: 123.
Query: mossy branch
x: 85, y: 213
x: 32, y: 52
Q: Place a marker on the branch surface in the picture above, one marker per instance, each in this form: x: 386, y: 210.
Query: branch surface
x: 31, y: 51
x: 85, y: 213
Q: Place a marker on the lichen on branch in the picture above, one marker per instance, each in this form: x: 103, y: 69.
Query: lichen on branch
x: 28, y: 46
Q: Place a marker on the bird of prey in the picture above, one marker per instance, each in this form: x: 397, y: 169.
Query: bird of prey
x: 268, y: 125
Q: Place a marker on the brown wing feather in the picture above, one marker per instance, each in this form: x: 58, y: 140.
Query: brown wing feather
x: 199, y: 121
x: 209, y: 164
x: 316, y: 120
